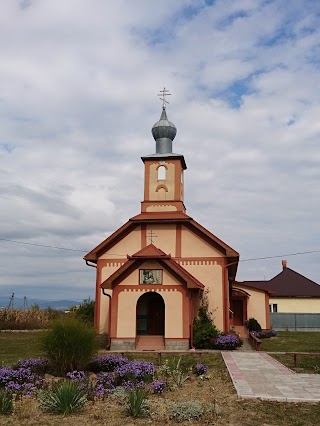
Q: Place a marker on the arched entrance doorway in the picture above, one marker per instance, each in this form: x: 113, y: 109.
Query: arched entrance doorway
x: 150, y: 314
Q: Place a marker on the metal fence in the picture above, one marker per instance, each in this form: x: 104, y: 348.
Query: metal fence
x: 295, y: 322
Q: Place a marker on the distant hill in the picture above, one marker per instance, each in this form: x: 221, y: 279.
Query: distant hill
x: 60, y: 305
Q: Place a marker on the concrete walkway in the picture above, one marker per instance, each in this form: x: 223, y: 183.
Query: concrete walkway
x: 258, y: 375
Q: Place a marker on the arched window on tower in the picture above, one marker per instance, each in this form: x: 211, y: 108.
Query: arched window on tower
x: 161, y: 173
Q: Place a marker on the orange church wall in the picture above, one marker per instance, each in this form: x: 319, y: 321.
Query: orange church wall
x: 128, y: 245
x: 211, y: 275
x: 105, y: 272
x: 165, y: 237
x: 192, y: 245
x: 256, y: 306
x: 174, y: 312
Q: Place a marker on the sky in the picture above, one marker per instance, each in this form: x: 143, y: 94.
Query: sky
x: 79, y: 84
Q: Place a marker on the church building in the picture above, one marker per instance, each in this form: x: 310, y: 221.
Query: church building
x: 149, y: 299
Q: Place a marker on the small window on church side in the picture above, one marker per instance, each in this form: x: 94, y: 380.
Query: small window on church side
x: 161, y: 173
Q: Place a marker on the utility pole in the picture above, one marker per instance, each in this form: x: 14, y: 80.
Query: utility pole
x: 11, y: 301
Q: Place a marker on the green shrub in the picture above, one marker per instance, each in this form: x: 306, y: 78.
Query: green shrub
x: 6, y: 402
x: 203, y: 328
x: 253, y: 325
x: 65, y: 397
x: 136, y: 402
x: 186, y: 411
x: 85, y: 312
x: 69, y: 345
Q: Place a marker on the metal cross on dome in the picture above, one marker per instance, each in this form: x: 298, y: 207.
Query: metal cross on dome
x: 151, y: 235
x: 164, y: 93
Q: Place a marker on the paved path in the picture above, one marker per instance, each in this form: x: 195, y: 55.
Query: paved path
x: 258, y: 375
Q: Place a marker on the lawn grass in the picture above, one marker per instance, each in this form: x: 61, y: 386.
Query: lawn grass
x: 218, y: 389
x: 15, y: 346
x: 293, y: 341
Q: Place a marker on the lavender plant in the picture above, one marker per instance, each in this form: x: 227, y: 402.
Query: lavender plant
x: 227, y: 341
x: 200, y: 369
x: 38, y: 365
x: 158, y: 386
x: 104, y: 384
x: 21, y: 381
x: 135, y: 371
x: 106, y: 363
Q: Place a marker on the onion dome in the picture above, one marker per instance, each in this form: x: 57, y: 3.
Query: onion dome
x: 164, y: 132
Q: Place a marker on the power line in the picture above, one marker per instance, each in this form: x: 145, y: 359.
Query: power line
x: 41, y: 245
x: 280, y: 255
x: 117, y: 254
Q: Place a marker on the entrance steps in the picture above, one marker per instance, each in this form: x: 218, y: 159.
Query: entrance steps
x: 150, y: 343
x: 242, y: 330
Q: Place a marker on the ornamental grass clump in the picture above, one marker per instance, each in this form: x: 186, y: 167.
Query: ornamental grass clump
x: 6, y: 402
x: 66, y: 397
x: 136, y: 406
x: 69, y: 345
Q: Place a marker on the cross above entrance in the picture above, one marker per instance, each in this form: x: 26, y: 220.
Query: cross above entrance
x: 151, y: 235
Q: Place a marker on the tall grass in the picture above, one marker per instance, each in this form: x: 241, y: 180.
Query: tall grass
x: 69, y: 345
x: 30, y: 319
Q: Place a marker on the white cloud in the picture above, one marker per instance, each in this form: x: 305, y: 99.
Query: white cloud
x: 78, y: 86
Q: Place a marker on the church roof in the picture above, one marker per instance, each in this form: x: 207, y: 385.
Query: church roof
x: 152, y: 252
x: 288, y: 283
x: 163, y: 217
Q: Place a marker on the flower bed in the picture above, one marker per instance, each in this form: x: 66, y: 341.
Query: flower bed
x: 135, y: 379
x: 265, y: 334
x: 227, y: 342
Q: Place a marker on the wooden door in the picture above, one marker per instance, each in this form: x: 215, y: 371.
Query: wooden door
x: 237, y: 308
x: 155, y: 315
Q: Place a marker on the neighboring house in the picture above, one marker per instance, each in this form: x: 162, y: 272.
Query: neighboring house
x: 152, y: 272
x: 290, y: 292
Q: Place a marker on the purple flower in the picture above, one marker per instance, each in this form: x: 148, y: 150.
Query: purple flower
x: 200, y: 369
x: 135, y: 371
x: 20, y: 380
x: 108, y: 363
x: 158, y: 386
x: 76, y: 376
x: 129, y: 385
x: 34, y: 363
x: 104, y: 384
x: 227, y: 341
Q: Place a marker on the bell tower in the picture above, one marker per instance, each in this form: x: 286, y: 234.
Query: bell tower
x: 163, y: 171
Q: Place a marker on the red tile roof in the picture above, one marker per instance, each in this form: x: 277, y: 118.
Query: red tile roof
x: 150, y: 251
x: 287, y: 284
